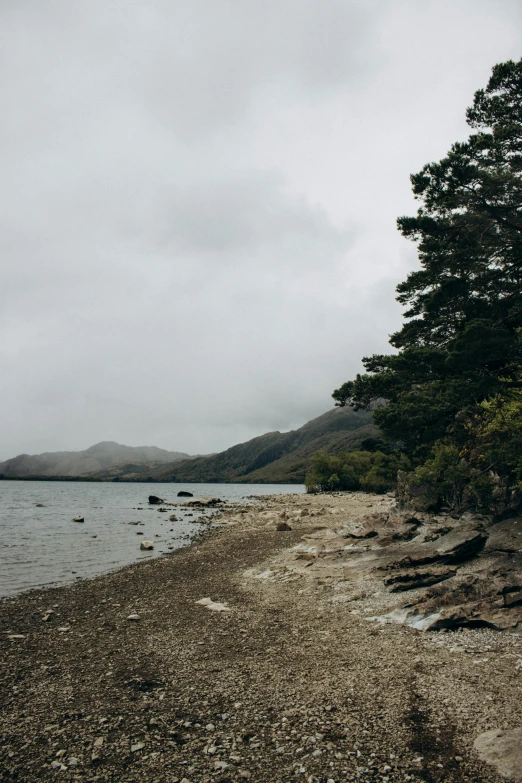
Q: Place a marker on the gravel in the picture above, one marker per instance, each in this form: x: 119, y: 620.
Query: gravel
x: 289, y: 685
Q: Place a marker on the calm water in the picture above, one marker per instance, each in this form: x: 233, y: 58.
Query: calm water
x: 43, y: 546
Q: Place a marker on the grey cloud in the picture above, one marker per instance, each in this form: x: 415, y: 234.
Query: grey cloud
x: 198, y: 204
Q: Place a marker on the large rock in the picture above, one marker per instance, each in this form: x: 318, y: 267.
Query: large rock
x: 184, y: 494
x: 418, y: 495
x: 421, y: 577
x: 202, y: 502
x: 147, y: 545
x: 155, y: 499
x: 502, y: 748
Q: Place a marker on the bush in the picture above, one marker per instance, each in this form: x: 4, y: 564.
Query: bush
x: 371, y: 471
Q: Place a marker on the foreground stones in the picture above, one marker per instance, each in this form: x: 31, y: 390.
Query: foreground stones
x: 147, y: 545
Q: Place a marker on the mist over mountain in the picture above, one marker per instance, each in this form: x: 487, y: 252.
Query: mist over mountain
x: 276, y: 457
x: 79, y: 463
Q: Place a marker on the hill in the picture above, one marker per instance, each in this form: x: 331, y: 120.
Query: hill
x: 99, y: 457
x: 273, y: 458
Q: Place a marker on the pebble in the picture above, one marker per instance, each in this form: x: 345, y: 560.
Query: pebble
x: 134, y: 617
x: 137, y: 746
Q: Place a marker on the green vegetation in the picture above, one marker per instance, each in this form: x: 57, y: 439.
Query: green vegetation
x: 372, y: 471
x: 452, y: 386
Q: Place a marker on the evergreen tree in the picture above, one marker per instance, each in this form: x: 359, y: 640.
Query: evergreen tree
x: 461, y: 343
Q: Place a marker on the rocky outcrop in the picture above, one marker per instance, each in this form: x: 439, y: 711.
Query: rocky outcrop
x: 154, y: 499
x: 438, y: 571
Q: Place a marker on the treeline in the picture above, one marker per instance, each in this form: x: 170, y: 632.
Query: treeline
x: 371, y: 471
x: 453, y: 386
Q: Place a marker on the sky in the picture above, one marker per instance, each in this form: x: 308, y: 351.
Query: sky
x: 198, y: 204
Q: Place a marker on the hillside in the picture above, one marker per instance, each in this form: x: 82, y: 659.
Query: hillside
x: 99, y: 457
x: 276, y: 457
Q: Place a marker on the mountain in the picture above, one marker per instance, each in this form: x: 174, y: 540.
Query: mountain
x: 79, y: 463
x: 276, y: 457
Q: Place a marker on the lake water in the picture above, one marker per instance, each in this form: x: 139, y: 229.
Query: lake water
x: 42, y: 547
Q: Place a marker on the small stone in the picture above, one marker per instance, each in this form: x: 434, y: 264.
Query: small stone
x: 60, y: 753
x: 459, y: 759
x: 221, y: 765
x: 147, y: 545
x: 58, y: 765
x: 73, y: 761
x: 134, y: 617
x: 244, y: 773
x: 137, y: 746
x: 317, y: 753
x: 98, y: 742
x: 210, y: 727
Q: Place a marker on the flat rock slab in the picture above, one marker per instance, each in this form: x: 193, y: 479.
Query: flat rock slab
x: 503, y: 749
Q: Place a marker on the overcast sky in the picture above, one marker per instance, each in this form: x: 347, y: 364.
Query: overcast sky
x: 198, y: 203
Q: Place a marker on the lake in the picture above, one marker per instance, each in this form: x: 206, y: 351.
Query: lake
x: 43, y: 547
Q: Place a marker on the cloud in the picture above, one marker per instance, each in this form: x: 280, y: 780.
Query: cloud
x: 199, y: 204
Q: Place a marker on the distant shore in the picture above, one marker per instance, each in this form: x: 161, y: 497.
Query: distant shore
x: 275, y: 677
x: 138, y: 480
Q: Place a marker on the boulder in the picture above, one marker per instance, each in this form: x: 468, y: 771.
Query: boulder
x: 155, y: 499
x: 79, y: 519
x: 173, y: 518
x: 281, y: 526
x: 184, y: 494
x: 147, y: 545
x: 421, y: 496
x: 502, y: 748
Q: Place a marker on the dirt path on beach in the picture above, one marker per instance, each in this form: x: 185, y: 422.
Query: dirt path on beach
x: 290, y: 684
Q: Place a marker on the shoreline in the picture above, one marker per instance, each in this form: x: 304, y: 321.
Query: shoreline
x: 290, y: 684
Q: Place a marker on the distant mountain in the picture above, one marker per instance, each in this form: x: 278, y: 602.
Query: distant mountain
x: 80, y: 463
x: 276, y: 457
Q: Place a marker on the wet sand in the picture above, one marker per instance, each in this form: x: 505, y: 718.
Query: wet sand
x: 289, y: 684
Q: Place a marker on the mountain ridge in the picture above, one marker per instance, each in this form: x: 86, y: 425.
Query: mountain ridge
x: 100, y: 456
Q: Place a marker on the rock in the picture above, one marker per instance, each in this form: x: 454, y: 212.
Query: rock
x: 40, y: 505
x: 137, y: 522
x: 73, y: 761
x: 47, y: 616
x: 173, y: 518
x: 420, y: 496
x: 134, y: 617
x: 98, y: 742
x: 282, y: 526
x: 137, y: 746
x: 155, y: 499
x: 503, y: 750
x: 422, y: 577
x: 203, y: 502
x: 58, y: 765
x: 79, y: 519
x: 147, y: 545
x: 184, y: 494
x: 214, y: 606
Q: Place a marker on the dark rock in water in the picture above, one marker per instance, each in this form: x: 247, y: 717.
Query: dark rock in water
x: 282, y: 526
x: 184, y: 494
x: 155, y: 499
x: 79, y: 519
x: 40, y: 505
